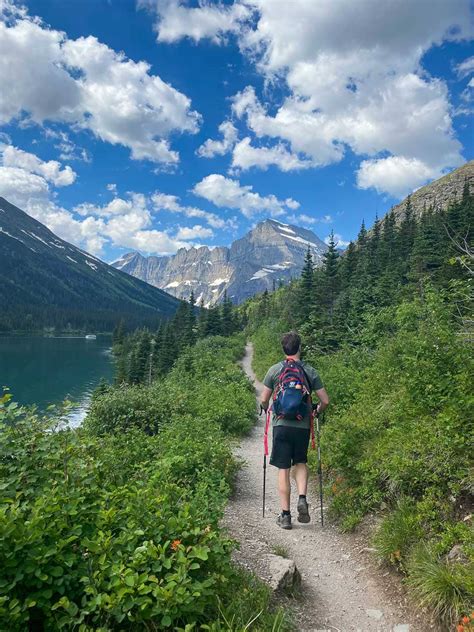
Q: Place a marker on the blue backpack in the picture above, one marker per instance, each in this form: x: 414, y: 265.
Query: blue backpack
x: 292, y: 396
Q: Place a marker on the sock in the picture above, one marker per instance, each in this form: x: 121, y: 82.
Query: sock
x: 302, y: 496
x: 285, y: 512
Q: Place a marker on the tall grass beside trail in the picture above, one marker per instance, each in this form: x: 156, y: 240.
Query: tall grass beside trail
x: 398, y: 441
x: 115, y: 526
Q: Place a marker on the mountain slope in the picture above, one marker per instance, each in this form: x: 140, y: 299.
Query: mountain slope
x: 440, y: 193
x: 270, y: 252
x: 48, y: 281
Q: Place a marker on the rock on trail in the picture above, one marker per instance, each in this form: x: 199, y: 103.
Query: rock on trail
x: 342, y: 588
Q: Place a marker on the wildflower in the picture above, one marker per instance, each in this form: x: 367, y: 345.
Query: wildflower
x: 465, y: 619
x: 175, y: 544
x: 459, y: 628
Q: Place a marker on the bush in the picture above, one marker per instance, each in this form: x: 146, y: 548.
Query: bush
x: 111, y: 528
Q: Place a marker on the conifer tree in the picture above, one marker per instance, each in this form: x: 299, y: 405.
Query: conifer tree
x: 227, y: 316
x: 330, y: 276
x: 213, y: 322
x: 202, y: 319
x: 305, y: 295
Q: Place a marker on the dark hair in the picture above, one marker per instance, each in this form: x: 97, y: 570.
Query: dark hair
x: 291, y: 342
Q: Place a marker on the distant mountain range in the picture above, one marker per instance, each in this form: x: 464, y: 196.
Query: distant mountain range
x: 270, y: 252
x: 47, y: 281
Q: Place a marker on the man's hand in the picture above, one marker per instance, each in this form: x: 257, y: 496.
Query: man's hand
x: 265, y: 397
x: 323, y: 400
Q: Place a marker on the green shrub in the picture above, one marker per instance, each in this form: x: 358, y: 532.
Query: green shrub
x: 115, y: 526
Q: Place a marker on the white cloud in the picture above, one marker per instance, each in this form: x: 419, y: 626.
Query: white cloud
x: 196, y: 232
x: 89, y: 86
x: 338, y: 240
x: 225, y: 192
x: 26, y: 182
x: 211, y: 148
x: 353, y: 70
x: 52, y: 171
x: 209, y: 20
x: 302, y: 218
x: 112, y: 187
x: 31, y: 193
x: 246, y: 156
x: 67, y: 148
x: 171, y: 203
x: 395, y: 175
x: 465, y: 67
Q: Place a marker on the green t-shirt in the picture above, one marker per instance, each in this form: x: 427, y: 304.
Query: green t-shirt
x: 315, y: 383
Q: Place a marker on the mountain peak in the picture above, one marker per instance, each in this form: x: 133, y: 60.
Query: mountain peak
x: 270, y: 253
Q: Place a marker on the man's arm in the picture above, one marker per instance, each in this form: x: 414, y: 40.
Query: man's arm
x: 265, y: 397
x: 323, y: 400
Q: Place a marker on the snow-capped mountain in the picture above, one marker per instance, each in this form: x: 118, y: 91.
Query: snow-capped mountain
x: 269, y: 252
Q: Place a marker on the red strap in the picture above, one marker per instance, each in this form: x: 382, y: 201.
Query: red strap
x: 265, y: 436
x: 313, y: 442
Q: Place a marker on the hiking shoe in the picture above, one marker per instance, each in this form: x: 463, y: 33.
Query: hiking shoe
x: 284, y: 521
x: 303, y: 511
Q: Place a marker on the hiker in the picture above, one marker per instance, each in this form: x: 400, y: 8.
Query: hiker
x: 291, y: 383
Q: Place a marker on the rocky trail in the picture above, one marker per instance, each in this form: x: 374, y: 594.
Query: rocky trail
x: 342, y: 588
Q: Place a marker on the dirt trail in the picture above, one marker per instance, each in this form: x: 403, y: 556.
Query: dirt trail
x: 342, y: 588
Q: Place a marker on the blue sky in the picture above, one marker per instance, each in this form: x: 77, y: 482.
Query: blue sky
x: 161, y: 124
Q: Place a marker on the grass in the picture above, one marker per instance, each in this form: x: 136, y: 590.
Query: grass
x: 445, y: 588
x: 280, y: 550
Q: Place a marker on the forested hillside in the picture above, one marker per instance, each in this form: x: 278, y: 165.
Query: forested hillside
x: 389, y: 326
x: 48, y: 282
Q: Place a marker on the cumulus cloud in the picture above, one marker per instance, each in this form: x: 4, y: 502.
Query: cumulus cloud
x: 354, y: 78
x: 229, y: 193
x: 194, y: 232
x: 211, y: 148
x: 245, y: 156
x: 209, y: 20
x: 28, y: 182
x: 89, y: 86
x: 395, y: 175
x: 52, y: 171
x: 171, y: 203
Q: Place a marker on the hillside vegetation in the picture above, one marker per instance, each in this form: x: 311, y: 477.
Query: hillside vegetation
x: 389, y: 327
x: 115, y: 526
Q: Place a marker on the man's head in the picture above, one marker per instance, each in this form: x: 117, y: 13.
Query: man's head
x: 291, y: 343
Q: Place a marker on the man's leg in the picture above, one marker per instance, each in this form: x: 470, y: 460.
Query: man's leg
x: 284, y: 488
x: 300, y: 471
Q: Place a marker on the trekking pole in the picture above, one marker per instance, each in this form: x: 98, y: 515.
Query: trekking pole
x: 320, y: 469
x: 264, y: 470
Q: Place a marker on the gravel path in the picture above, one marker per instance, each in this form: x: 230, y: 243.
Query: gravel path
x: 342, y: 588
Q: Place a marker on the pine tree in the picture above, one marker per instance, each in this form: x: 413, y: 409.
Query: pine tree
x: 227, y: 316
x: 305, y: 294
x: 118, y: 334
x: 213, y: 322
x: 202, y: 319
x: 330, y: 276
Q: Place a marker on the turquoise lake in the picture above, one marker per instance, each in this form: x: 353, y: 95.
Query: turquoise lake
x: 42, y: 371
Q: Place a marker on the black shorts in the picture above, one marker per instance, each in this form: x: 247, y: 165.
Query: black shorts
x: 290, y: 446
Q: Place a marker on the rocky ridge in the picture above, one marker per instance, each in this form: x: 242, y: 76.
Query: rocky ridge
x: 269, y: 253
x: 440, y: 193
